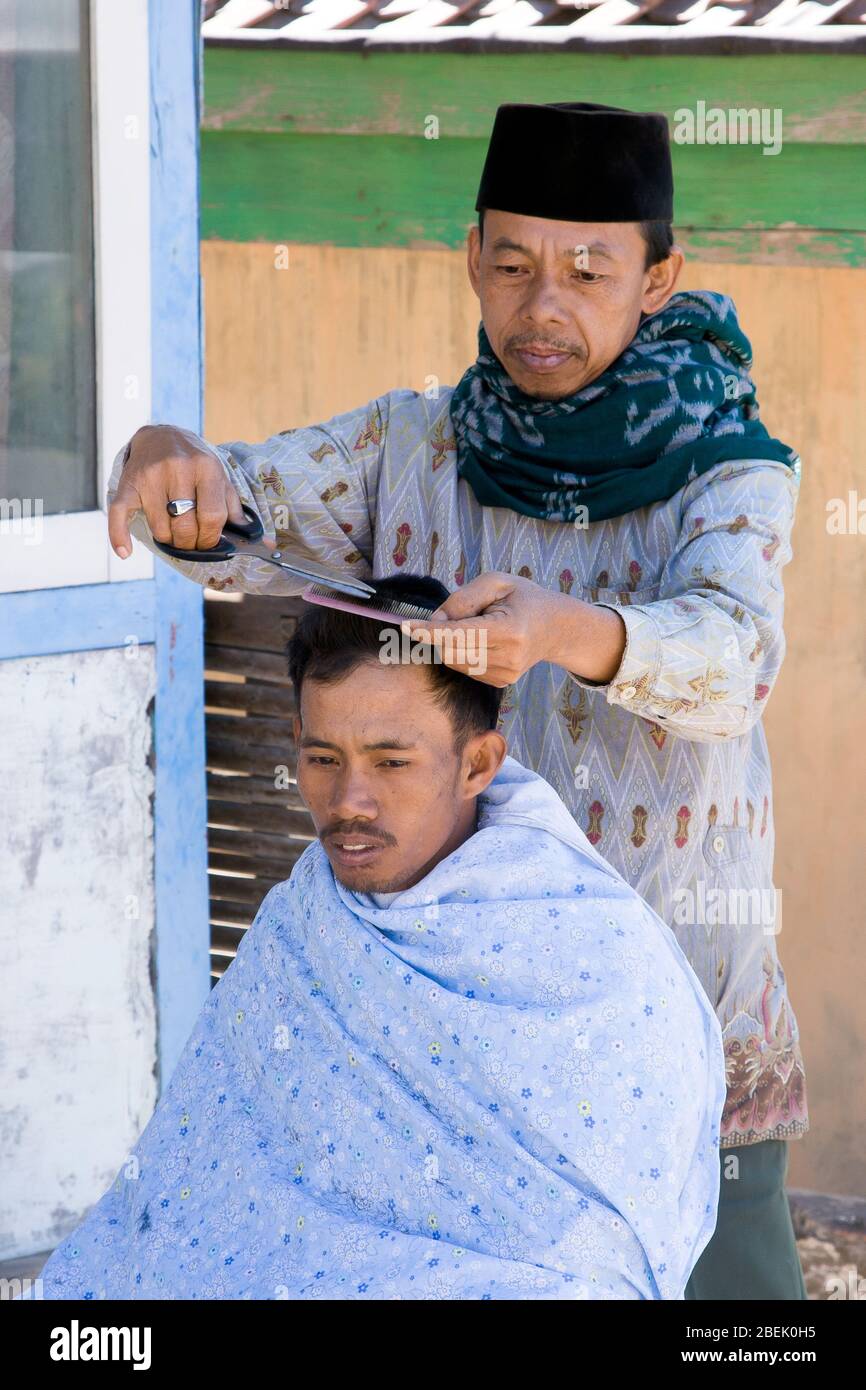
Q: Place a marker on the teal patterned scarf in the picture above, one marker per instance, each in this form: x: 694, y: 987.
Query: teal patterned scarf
x: 676, y: 401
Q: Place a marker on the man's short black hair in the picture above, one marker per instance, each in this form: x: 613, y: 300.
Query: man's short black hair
x: 327, y: 644
x: 659, y: 238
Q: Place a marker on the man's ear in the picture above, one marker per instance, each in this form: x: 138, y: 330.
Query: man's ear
x: 296, y: 728
x: 473, y: 257
x: 483, y: 756
x: 662, y: 280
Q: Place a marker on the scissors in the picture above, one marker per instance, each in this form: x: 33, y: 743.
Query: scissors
x: 245, y: 538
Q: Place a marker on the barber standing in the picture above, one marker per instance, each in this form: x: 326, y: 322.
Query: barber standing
x: 598, y: 493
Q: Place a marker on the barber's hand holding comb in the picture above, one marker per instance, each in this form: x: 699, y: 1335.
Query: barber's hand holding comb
x: 522, y: 624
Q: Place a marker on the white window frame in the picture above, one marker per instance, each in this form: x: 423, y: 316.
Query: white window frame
x: 72, y: 548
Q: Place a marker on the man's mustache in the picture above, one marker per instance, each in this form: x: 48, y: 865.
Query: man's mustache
x: 518, y: 344
x: 360, y: 832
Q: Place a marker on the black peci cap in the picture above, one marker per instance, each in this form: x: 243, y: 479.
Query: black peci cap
x: 575, y: 161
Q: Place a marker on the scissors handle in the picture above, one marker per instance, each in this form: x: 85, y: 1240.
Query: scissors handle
x: 250, y: 530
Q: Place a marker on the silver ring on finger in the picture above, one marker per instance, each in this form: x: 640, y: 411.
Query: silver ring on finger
x: 180, y: 506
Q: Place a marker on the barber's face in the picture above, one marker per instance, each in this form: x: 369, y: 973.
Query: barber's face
x: 561, y: 300
x: 377, y: 767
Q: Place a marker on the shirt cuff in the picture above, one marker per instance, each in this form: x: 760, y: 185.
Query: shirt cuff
x: 633, y: 681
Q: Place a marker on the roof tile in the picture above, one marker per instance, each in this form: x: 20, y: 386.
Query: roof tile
x: 559, y: 20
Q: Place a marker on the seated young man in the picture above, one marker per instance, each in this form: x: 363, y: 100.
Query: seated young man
x: 456, y: 1057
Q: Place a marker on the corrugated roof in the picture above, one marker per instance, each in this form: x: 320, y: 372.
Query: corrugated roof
x: 648, y: 25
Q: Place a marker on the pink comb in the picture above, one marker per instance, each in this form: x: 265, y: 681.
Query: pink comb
x: 320, y: 593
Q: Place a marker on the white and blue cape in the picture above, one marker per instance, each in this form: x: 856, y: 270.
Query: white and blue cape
x: 503, y: 1083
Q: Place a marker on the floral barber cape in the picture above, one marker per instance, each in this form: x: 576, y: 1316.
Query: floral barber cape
x: 505, y: 1082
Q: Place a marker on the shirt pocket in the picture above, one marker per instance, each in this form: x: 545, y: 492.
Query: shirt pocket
x: 726, y: 844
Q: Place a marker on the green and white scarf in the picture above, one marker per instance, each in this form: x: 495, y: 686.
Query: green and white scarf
x: 676, y: 401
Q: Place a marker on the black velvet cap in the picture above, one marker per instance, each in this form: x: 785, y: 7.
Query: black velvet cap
x: 575, y: 161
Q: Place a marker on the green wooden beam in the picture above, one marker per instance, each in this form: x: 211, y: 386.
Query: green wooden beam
x: 364, y: 190
x: 805, y: 248
x: 822, y: 96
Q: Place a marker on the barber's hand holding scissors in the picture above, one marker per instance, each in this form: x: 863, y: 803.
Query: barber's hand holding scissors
x: 170, y: 465
x: 195, y: 514
x: 523, y: 624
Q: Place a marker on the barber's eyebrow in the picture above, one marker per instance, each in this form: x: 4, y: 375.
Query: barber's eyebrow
x: 309, y: 741
x: 600, y: 249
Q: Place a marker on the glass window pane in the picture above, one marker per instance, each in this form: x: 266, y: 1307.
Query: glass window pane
x: 47, y: 346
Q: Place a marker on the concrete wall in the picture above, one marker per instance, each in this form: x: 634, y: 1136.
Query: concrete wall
x: 76, y: 845
x: 104, y: 961
x: 338, y: 326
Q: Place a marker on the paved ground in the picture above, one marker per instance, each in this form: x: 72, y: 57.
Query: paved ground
x: 834, y: 1268
x: 831, y: 1239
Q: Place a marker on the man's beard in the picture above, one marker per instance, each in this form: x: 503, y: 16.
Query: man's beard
x: 389, y: 885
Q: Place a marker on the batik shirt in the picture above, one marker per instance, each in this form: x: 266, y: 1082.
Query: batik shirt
x: 665, y: 767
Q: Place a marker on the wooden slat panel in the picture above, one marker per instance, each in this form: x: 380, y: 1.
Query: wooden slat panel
x: 275, y: 869
x: 252, y: 731
x: 250, y: 791
x: 263, y: 624
x: 239, y: 756
x: 246, y: 900
x: 243, y: 661
x: 235, y: 913
x: 269, y: 818
x: 254, y: 696
x: 226, y: 940
x: 271, y: 849
x: 256, y: 819
x: 226, y: 888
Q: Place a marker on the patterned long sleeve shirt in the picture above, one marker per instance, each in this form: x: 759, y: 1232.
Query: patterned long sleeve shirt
x: 665, y: 766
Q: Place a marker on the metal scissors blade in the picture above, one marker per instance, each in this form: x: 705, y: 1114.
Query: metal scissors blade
x: 312, y: 570
x: 246, y: 539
